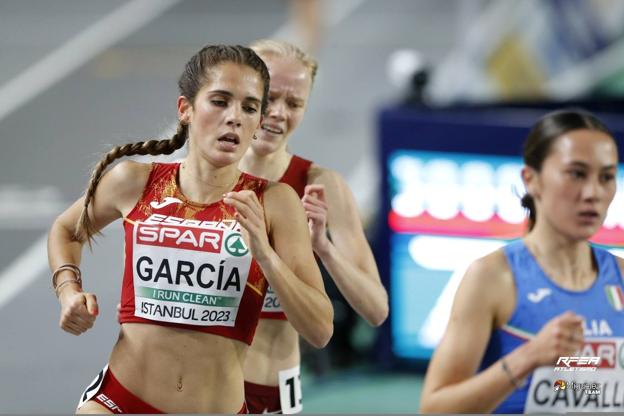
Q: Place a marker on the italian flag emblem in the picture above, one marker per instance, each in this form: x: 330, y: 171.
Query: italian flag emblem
x: 615, y: 296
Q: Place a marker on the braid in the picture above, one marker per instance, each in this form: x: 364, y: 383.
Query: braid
x: 85, y: 229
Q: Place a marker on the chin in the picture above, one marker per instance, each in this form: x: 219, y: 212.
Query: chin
x: 225, y: 160
x: 583, y: 233
x: 263, y: 147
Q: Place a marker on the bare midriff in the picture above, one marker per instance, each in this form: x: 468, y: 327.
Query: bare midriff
x: 179, y: 370
x: 275, y: 347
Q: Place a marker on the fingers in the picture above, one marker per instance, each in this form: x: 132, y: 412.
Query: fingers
x: 91, y: 302
x: 311, y: 201
x: 570, y: 317
x: 246, y: 203
x: 248, y: 198
x: 79, y: 315
x: 316, y: 215
x: 316, y: 190
x: 71, y: 328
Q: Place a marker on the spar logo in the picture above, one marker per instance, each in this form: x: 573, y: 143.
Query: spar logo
x: 577, y: 364
x: 185, y: 238
x: 235, y: 245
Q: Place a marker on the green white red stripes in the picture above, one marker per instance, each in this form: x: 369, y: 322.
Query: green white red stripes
x: 615, y: 296
x: 517, y: 332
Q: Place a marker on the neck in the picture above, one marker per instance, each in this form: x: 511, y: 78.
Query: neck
x: 204, y: 183
x: 567, y: 262
x: 271, y: 166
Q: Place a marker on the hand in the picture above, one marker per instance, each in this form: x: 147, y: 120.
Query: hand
x: 316, y: 210
x: 561, y: 336
x: 78, y: 310
x: 250, y: 214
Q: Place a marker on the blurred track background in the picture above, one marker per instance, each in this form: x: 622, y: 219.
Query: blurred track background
x: 79, y: 76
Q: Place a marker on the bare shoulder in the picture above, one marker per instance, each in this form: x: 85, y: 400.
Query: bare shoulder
x: 279, y: 190
x: 128, y: 177
x: 279, y: 197
x: 620, y: 261
x: 123, y: 185
x: 324, y: 176
x: 490, y: 281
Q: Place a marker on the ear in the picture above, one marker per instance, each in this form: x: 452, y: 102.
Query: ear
x: 530, y: 177
x: 185, y: 110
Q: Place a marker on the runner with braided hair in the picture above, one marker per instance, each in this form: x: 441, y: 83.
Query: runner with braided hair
x: 202, y: 242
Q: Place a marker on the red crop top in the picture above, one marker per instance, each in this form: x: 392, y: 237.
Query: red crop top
x: 187, y: 265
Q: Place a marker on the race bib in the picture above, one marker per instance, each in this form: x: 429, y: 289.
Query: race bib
x: 290, y: 390
x: 583, y: 383
x: 271, y: 302
x: 189, y: 274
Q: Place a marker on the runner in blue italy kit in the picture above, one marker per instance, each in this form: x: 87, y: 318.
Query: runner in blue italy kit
x: 538, y: 326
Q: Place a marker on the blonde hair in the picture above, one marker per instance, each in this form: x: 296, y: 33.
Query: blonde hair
x: 270, y: 47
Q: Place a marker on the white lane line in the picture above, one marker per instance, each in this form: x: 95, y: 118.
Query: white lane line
x: 114, y: 27
x: 24, y: 270
x: 106, y: 32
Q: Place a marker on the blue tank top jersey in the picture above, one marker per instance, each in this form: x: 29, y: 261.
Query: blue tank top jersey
x: 538, y: 300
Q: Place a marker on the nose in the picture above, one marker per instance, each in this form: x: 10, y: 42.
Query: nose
x: 276, y: 110
x: 234, y: 116
x: 592, y: 189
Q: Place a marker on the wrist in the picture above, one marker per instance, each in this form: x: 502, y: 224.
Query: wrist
x: 68, y: 290
x: 521, y: 362
x: 528, y: 356
x: 323, y: 250
x: 266, y: 261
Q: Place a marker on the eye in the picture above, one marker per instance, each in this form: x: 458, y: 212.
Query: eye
x: 250, y: 109
x: 293, y: 104
x: 607, y: 177
x: 577, y: 174
x: 219, y: 103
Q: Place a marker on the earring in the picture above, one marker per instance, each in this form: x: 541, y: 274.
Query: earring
x: 255, y: 137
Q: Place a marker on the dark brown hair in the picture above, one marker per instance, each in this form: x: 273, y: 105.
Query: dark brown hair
x: 540, y: 140
x: 196, y: 74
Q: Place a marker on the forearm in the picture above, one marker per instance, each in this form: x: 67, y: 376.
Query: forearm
x: 362, y: 288
x: 308, y: 309
x: 63, y: 248
x: 483, y: 392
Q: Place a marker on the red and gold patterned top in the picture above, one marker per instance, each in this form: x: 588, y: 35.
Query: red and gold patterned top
x: 187, y: 265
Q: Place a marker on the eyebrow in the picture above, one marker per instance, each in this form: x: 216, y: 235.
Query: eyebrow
x: 229, y: 94
x: 585, y: 165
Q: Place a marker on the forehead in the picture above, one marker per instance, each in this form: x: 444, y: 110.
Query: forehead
x: 236, y: 78
x: 589, y: 146
x: 287, y: 72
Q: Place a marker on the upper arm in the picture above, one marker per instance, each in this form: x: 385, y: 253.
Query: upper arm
x: 620, y: 262
x: 343, y: 219
x: 474, y: 314
x: 116, y: 194
x: 289, y: 233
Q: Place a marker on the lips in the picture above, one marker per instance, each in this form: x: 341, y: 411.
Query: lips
x: 272, y: 128
x: 230, y: 138
x: 589, y: 215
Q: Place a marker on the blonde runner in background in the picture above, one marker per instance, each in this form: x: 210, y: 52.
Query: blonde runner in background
x: 272, y: 373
